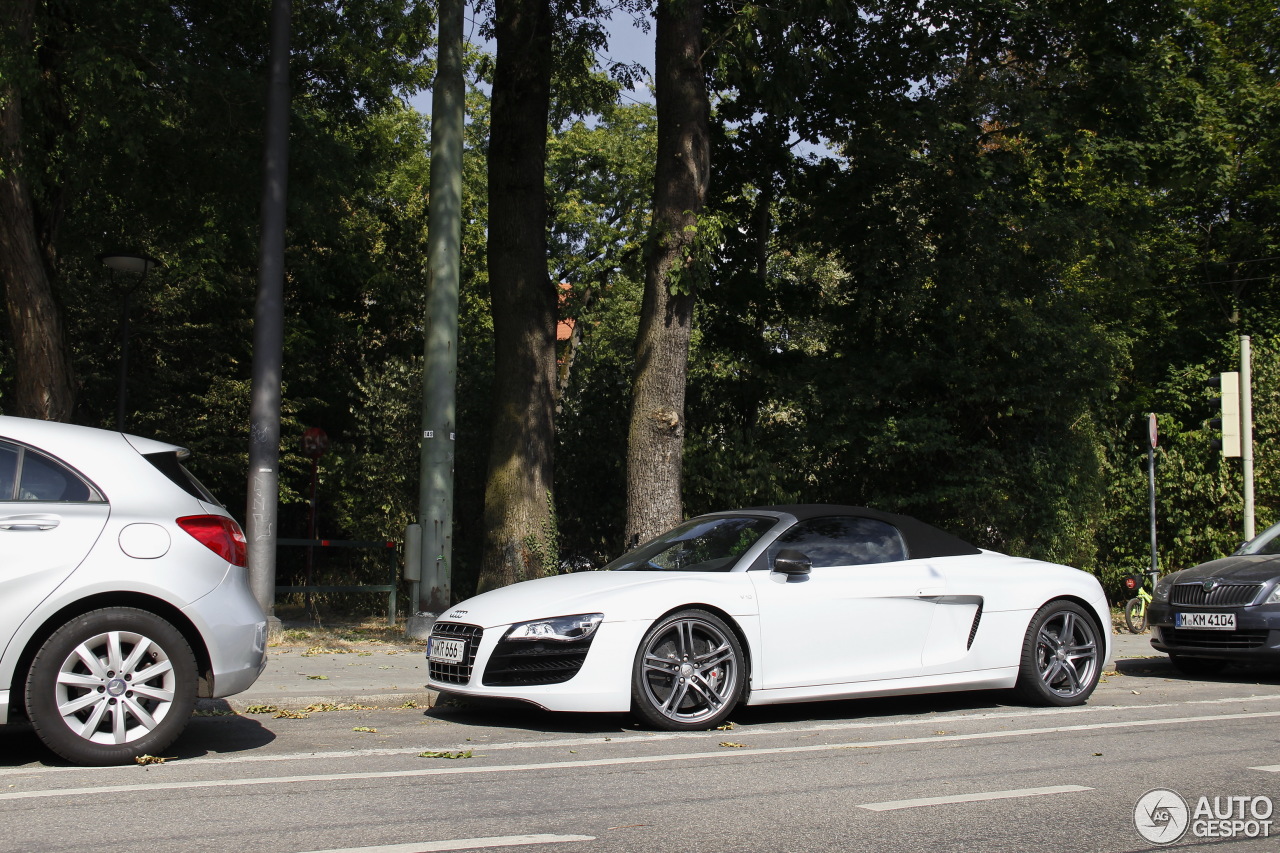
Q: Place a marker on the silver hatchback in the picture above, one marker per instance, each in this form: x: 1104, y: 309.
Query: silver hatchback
x: 123, y: 591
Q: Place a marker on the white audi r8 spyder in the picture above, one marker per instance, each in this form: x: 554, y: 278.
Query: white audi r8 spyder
x: 778, y: 604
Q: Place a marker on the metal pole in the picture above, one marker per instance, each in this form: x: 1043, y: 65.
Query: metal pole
x: 123, y: 390
x: 1151, y: 479
x: 1246, y: 431
x: 268, y: 325
x: 439, y: 380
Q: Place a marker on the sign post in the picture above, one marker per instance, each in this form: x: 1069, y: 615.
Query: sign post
x: 1153, y: 434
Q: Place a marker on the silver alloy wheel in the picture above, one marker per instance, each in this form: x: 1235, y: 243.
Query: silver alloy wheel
x: 115, y: 687
x: 690, y: 671
x: 1066, y: 654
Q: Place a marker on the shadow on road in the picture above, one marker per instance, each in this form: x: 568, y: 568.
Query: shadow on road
x: 521, y: 716
x: 1161, y: 667
x: 204, y: 736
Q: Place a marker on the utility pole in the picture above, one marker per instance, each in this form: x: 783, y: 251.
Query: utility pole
x: 440, y: 353
x: 268, y: 326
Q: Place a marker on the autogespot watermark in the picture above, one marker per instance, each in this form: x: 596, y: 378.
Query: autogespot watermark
x: 1163, y: 816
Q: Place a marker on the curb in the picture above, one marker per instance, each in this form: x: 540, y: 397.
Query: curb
x: 379, y: 701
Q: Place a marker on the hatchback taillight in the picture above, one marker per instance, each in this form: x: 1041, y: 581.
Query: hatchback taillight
x: 219, y: 534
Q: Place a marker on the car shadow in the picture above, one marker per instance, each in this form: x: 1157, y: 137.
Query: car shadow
x: 1159, y: 666
x: 508, y: 714
x: 220, y: 734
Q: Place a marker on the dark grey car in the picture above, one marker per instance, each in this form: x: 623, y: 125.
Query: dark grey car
x: 1223, y: 611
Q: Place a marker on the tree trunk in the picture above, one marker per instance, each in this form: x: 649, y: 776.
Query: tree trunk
x: 44, y: 387
x: 655, y: 445
x: 519, y: 522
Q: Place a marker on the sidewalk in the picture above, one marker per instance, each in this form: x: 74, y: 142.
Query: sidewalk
x: 389, y: 675
x: 379, y: 675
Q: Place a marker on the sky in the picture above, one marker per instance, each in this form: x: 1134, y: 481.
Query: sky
x: 627, y: 43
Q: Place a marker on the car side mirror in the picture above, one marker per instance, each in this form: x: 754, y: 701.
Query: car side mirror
x: 792, y: 562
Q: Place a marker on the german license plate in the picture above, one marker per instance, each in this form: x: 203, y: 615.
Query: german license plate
x: 1205, y: 621
x: 442, y: 650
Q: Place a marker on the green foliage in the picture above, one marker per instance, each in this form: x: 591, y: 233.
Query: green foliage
x: 954, y: 254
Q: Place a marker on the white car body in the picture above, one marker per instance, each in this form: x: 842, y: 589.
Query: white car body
x: 118, y: 546
x: 938, y: 623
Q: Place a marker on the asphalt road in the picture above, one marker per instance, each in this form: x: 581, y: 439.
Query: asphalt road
x: 971, y: 772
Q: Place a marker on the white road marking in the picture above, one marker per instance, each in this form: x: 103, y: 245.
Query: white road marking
x: 463, y: 844
x: 971, y: 798
x: 625, y: 736
x: 1270, y: 768
x: 721, y: 755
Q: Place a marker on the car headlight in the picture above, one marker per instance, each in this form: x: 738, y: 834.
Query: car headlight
x: 562, y: 628
x: 1274, y: 597
x: 1161, y: 593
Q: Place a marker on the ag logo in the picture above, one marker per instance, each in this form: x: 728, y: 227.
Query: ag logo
x: 1161, y: 816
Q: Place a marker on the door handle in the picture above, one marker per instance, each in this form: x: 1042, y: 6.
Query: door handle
x: 930, y: 591
x: 29, y: 522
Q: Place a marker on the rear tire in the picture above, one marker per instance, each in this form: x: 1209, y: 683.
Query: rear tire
x: 1135, y: 616
x: 1061, y: 656
x: 110, y: 686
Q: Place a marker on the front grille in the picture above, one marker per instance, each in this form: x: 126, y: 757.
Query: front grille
x: 521, y: 663
x: 1222, y: 595
x: 1186, y: 637
x: 455, y: 673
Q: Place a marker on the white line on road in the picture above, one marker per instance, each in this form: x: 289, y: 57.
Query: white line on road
x: 972, y: 798
x: 721, y: 755
x: 463, y: 844
x: 1270, y: 768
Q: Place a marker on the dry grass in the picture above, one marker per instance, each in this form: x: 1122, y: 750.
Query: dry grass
x: 340, y: 634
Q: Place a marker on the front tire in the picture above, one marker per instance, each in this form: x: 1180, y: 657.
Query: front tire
x: 1135, y: 616
x: 1061, y: 656
x: 110, y: 686
x: 689, y: 672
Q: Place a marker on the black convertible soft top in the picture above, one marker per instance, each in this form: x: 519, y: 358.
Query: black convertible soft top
x: 922, y: 540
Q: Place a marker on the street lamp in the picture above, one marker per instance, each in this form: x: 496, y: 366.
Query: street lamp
x: 138, y: 265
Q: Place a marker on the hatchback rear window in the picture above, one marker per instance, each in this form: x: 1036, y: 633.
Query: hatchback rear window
x: 168, y: 464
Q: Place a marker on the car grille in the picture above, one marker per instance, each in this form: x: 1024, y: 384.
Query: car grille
x: 455, y: 673
x: 524, y: 662
x: 1222, y: 595
x: 1183, y: 637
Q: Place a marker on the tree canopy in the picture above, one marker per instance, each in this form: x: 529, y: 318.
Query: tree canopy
x: 949, y: 257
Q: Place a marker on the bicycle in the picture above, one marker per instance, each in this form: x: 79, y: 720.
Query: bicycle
x: 1135, y: 609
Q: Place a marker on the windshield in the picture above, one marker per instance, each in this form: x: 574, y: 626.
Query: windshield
x: 700, y: 545
x: 1267, y: 542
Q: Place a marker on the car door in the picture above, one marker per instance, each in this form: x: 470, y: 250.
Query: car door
x: 863, y: 612
x: 49, y: 519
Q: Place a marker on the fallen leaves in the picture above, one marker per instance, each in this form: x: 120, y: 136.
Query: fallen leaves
x: 444, y: 754
x: 291, y: 715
